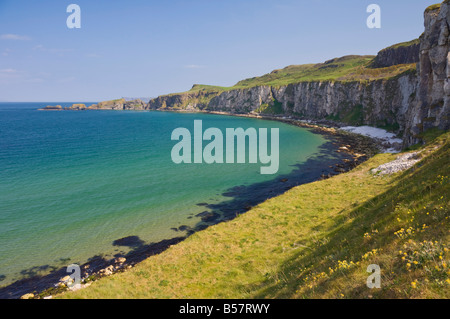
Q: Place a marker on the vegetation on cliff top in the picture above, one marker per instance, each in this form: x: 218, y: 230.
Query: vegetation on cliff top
x: 403, y: 44
x: 434, y: 7
x: 348, y: 69
x: 299, y: 245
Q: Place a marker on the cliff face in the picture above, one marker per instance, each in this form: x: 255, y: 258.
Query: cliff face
x: 407, y: 104
x: 134, y: 105
x: 188, y: 101
x: 379, y: 103
x: 432, y: 105
x: 402, y: 53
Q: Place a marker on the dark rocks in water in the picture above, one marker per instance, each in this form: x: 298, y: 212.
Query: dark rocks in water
x: 95, y: 263
x: 34, y: 271
x: 211, y: 218
x: 208, y: 216
x: 95, y: 267
x: 326, y: 176
x: 283, y: 180
x: 130, y: 241
x: 183, y: 228
x: 202, y: 204
x: 199, y: 228
x: 35, y: 283
x: 205, y: 213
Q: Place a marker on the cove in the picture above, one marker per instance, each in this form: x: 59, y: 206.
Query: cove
x: 75, y: 183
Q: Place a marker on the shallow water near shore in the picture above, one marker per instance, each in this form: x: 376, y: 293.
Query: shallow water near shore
x: 75, y: 182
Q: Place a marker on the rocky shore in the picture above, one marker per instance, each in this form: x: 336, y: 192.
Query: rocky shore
x: 58, y: 281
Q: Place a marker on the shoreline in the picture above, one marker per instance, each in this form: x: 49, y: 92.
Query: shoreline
x: 352, y: 149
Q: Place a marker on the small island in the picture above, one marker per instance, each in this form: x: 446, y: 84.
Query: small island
x: 119, y: 104
x: 51, y: 108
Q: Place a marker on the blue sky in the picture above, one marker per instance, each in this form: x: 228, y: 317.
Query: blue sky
x: 139, y: 48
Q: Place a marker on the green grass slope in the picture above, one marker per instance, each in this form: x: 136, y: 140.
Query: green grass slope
x: 347, y: 68
x: 315, y: 241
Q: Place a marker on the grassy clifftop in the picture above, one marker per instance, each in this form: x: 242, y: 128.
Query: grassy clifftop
x: 347, y: 68
x: 315, y: 241
x: 403, y: 44
x: 433, y: 7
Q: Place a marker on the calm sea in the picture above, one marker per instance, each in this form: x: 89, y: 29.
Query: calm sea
x: 73, y: 182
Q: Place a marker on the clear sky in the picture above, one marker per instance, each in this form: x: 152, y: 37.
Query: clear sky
x: 140, y: 48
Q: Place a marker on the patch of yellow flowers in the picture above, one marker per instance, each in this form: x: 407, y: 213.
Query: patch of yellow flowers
x: 430, y: 256
x: 404, y: 233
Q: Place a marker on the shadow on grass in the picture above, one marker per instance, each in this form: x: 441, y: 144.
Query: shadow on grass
x: 244, y: 197
x: 344, y: 239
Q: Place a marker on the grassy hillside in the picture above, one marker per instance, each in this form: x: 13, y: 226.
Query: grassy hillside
x: 315, y: 241
x: 348, y: 68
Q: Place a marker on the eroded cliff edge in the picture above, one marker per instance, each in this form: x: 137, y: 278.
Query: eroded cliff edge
x: 407, y: 103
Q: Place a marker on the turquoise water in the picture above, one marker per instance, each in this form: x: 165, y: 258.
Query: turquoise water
x: 73, y: 182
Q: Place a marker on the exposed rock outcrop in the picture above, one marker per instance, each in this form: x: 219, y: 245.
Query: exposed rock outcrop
x: 51, y: 108
x: 432, y: 105
x: 134, y: 105
x: 119, y: 104
x: 401, y: 163
x: 402, y: 53
x: 197, y: 100
x: 382, y: 103
x: 376, y: 103
x: 110, y: 105
x: 76, y: 107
